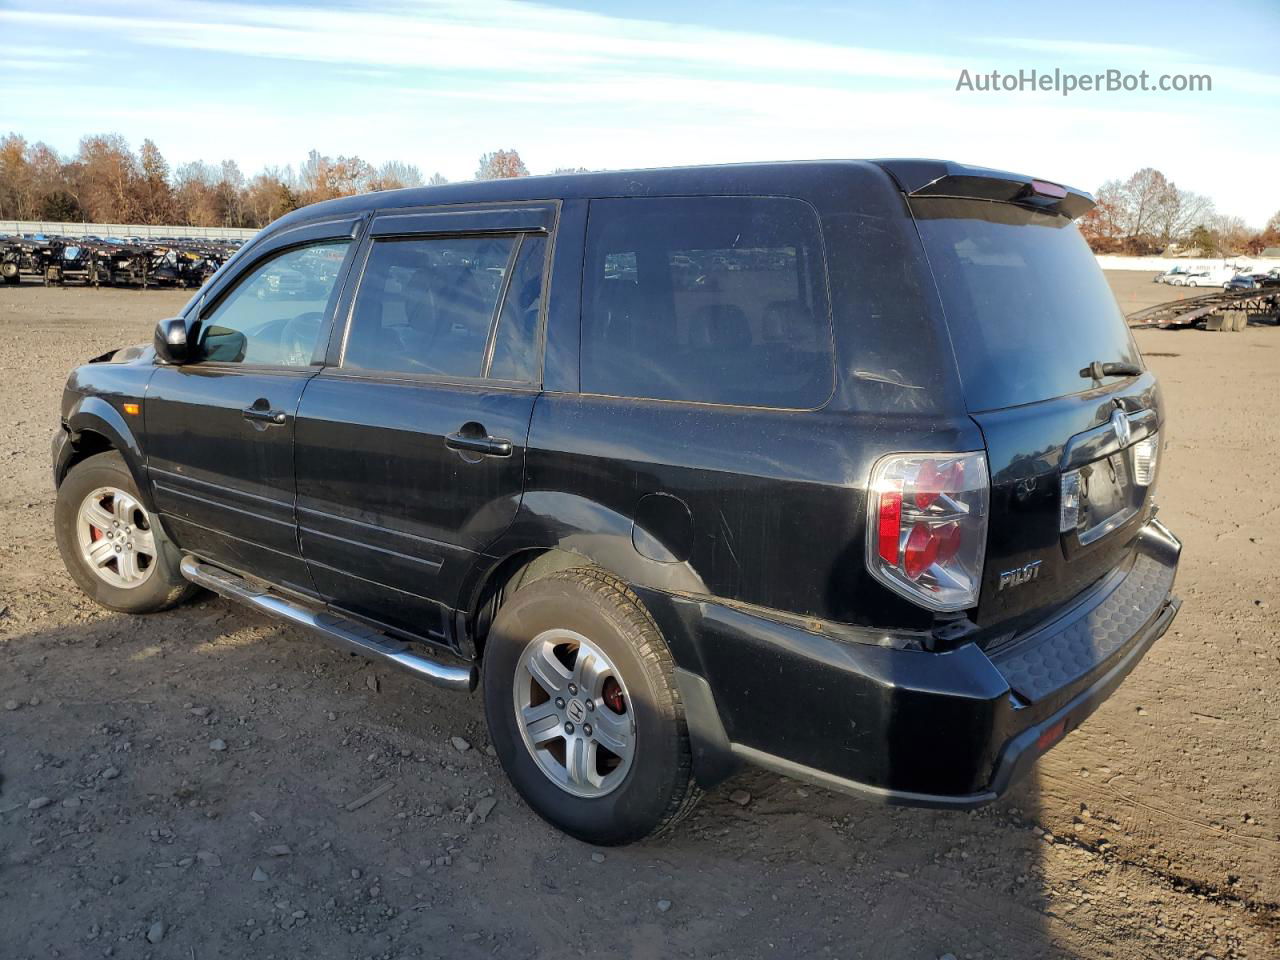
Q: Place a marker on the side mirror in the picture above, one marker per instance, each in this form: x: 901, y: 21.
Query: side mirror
x: 171, y: 340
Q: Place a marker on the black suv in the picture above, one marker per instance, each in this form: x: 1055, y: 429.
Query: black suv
x: 841, y: 468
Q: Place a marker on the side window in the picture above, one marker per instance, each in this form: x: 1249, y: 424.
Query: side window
x: 274, y: 315
x: 426, y: 305
x: 515, y: 348
x: 707, y: 299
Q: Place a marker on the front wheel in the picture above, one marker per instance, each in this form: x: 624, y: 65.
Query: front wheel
x: 112, y: 546
x: 583, y: 709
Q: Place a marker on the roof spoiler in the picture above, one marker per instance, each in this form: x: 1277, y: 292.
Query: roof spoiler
x: 941, y: 178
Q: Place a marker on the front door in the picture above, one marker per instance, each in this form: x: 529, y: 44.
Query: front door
x: 220, y: 429
x: 410, y: 444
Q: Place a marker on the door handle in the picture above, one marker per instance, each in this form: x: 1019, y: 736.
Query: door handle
x: 273, y: 418
x: 484, y: 445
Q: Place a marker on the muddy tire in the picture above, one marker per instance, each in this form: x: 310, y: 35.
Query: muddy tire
x: 112, y: 547
x: 583, y: 709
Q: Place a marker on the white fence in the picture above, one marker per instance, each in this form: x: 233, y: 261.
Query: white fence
x: 121, y: 230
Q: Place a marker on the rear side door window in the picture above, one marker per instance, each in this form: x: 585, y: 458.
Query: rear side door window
x: 454, y: 307
x: 708, y: 300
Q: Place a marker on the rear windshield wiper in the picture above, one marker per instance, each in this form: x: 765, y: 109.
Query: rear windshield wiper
x: 1114, y: 368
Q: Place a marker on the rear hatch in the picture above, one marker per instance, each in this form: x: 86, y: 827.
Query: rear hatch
x: 1055, y: 382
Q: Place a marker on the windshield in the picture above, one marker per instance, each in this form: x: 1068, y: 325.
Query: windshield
x: 1026, y: 303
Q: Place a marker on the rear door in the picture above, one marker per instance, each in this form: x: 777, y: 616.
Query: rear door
x: 1030, y: 313
x: 410, y: 444
x: 220, y: 430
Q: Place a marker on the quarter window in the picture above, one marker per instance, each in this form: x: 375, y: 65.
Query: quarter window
x: 273, y: 316
x: 515, y: 353
x: 427, y: 305
x: 708, y: 299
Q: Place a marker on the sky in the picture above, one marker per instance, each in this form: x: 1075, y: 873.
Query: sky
x: 612, y: 85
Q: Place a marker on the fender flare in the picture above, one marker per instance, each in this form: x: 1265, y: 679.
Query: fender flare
x: 569, y: 523
x: 94, y: 415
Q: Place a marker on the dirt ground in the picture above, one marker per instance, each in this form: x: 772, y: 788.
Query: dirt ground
x: 1153, y: 831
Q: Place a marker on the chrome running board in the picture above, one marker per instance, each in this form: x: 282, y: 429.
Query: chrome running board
x: 342, y: 633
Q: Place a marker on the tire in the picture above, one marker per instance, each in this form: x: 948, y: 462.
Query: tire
x: 105, y: 480
x: 652, y: 788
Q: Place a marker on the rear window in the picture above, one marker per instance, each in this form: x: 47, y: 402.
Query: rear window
x: 707, y: 300
x: 1026, y: 303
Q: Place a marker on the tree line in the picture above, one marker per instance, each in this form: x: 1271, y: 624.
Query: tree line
x: 1150, y: 214
x: 105, y: 181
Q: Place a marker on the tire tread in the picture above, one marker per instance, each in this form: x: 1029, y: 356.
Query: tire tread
x: 640, y: 630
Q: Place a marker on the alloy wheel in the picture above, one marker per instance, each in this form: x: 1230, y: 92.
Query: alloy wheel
x: 574, y: 713
x: 115, y: 536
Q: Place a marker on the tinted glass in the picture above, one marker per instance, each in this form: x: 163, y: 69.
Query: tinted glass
x: 706, y: 299
x: 274, y: 315
x: 1026, y: 303
x: 515, y: 355
x: 425, y: 305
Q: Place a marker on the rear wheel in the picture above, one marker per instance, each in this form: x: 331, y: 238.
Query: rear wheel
x: 583, y: 710
x: 109, y: 542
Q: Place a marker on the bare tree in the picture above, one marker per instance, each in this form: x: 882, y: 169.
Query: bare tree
x: 393, y: 175
x: 437, y: 180
x: 109, y: 178
x: 1177, y: 212
x: 1232, y: 233
x: 155, y: 202
x: 195, y: 194
x: 500, y: 165
x: 323, y: 178
x: 1143, y: 214
x: 269, y: 195
x: 54, y: 184
x: 1270, y: 236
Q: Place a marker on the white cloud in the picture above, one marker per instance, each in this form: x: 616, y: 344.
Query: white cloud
x: 476, y: 35
x: 1089, y: 49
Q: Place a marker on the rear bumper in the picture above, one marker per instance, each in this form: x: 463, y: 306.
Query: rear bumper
x: 951, y: 730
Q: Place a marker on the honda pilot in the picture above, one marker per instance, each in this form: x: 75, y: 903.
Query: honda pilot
x: 843, y: 469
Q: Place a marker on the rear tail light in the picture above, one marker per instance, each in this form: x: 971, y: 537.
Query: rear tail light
x: 928, y: 527
x: 1145, y: 453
